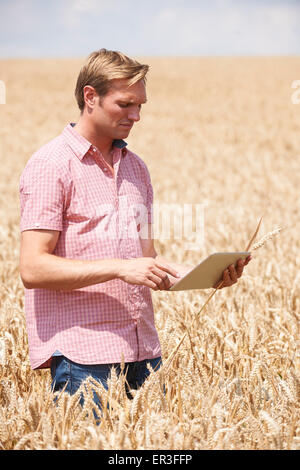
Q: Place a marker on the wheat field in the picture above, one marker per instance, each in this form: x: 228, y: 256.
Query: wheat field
x: 222, y: 132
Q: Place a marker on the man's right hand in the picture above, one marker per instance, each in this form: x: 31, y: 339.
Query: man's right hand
x: 147, y: 271
x: 41, y: 269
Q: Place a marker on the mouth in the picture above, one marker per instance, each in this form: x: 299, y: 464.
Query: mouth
x: 128, y: 126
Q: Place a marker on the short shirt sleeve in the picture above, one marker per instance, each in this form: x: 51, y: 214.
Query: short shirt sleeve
x: 41, y: 196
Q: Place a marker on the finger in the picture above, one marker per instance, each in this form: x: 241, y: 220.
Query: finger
x: 248, y: 259
x: 168, y: 269
x: 163, y: 276
x: 151, y: 284
x: 159, y: 282
x: 219, y: 284
x: 167, y: 282
x: 233, y: 273
x: 156, y: 279
x: 226, y: 278
x: 239, y: 267
x: 173, y: 281
x: 164, y: 283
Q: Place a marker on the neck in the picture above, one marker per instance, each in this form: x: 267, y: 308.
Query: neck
x: 87, y: 129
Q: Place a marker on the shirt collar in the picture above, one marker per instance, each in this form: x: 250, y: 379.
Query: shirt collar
x: 80, y: 145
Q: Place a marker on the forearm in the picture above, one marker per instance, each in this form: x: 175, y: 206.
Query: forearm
x: 57, y: 273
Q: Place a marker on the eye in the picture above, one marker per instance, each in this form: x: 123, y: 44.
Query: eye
x: 126, y: 105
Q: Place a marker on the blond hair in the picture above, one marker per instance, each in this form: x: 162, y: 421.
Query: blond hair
x: 103, y: 66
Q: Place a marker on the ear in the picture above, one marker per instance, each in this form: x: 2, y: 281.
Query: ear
x: 90, y: 96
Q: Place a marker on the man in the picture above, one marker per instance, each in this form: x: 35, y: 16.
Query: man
x: 87, y: 258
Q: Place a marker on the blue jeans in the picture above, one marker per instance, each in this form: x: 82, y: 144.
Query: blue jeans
x: 69, y: 374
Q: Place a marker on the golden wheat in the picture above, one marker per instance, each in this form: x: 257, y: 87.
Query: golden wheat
x: 229, y: 129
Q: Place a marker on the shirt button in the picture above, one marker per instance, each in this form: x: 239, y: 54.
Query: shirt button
x: 94, y: 150
x: 37, y: 225
x: 104, y: 169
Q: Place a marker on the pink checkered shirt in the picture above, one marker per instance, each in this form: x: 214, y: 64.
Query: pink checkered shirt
x: 67, y: 186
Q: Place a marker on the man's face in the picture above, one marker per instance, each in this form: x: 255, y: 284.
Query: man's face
x: 115, y: 113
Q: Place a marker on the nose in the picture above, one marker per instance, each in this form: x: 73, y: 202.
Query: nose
x: 134, y: 114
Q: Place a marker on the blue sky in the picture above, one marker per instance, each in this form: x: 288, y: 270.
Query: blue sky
x: 70, y: 28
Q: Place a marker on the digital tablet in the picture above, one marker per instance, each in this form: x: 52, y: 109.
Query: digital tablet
x: 208, y: 272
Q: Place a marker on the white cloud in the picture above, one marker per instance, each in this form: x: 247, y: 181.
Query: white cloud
x: 86, y: 5
x: 82, y: 5
x: 236, y: 28
x: 74, y: 12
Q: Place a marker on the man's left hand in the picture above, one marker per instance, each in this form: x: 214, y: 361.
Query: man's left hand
x: 232, y: 273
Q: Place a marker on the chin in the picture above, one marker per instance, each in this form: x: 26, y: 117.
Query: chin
x: 123, y: 133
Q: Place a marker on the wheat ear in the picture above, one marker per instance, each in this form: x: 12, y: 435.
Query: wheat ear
x: 266, y: 237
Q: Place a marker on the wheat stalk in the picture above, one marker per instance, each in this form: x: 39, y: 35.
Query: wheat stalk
x: 254, y: 235
x: 260, y: 243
